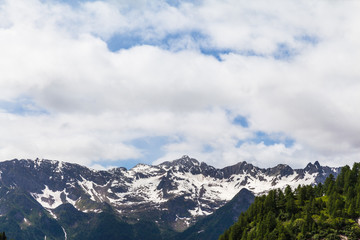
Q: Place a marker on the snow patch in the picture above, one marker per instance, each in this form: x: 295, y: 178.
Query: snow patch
x: 59, y: 167
x: 88, y: 187
x: 65, y: 235
x: 92, y: 210
x: 48, y: 198
x: 146, y: 188
x: 26, y: 222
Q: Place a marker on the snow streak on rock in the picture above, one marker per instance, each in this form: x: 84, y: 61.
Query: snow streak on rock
x: 176, y: 191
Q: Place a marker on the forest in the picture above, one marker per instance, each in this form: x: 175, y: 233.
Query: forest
x: 324, y: 211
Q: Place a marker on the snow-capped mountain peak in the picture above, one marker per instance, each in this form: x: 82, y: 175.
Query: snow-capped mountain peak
x: 175, y: 191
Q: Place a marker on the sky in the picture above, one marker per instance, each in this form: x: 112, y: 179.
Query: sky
x: 115, y: 83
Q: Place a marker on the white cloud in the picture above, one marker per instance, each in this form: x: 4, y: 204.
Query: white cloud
x: 99, y: 101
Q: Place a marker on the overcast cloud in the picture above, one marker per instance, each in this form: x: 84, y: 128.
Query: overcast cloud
x: 113, y: 83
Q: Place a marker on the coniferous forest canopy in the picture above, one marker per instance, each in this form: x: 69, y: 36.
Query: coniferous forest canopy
x: 325, y: 211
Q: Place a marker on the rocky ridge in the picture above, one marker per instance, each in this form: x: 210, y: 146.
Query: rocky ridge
x: 174, y: 194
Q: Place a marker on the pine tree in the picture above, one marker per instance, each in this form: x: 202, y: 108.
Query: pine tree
x: 290, y: 205
x: 329, y: 184
x: 351, y: 210
x: 309, y: 212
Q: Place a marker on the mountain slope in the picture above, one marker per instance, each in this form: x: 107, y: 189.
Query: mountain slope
x: 22, y: 217
x: 329, y: 211
x: 212, y: 226
x: 174, y: 195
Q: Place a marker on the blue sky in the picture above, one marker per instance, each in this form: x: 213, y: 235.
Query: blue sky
x: 116, y: 83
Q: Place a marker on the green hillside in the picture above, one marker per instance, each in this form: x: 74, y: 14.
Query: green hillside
x: 326, y: 211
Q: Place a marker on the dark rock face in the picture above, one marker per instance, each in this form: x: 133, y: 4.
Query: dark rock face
x: 187, y: 164
x: 175, y: 194
x: 313, y: 168
x: 183, y: 164
x: 239, y: 168
x: 281, y: 169
x: 212, y: 226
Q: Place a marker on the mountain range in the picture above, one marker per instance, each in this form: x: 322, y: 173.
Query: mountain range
x: 183, y: 198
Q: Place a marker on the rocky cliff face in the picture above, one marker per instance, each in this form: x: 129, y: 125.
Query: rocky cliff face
x: 174, y: 194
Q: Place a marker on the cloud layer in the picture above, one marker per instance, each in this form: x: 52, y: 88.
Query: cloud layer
x: 103, y: 82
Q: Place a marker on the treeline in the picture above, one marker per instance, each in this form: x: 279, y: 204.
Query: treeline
x: 325, y: 211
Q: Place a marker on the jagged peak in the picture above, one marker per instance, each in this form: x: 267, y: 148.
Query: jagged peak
x: 239, y: 168
x: 316, y: 164
x: 241, y: 165
x: 117, y: 169
x: 281, y: 166
x: 313, y: 167
x: 40, y: 161
x: 184, y: 161
x: 282, y: 169
x: 36, y: 161
x: 141, y: 167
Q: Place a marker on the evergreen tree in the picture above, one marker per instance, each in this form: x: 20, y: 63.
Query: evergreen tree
x: 329, y: 184
x: 310, y: 212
